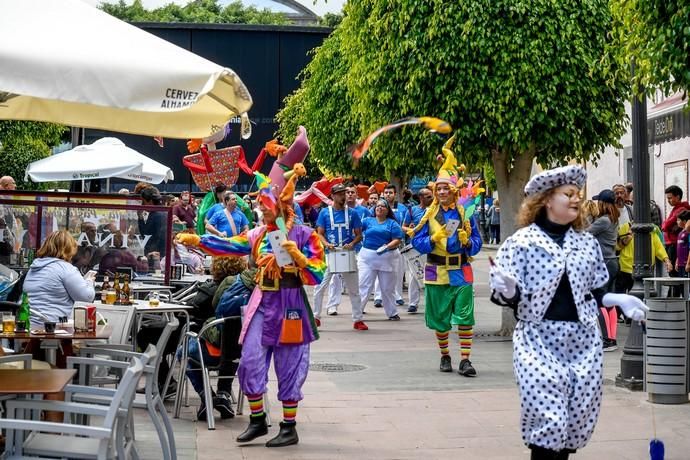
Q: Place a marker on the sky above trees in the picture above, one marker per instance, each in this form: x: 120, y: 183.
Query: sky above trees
x: 321, y: 7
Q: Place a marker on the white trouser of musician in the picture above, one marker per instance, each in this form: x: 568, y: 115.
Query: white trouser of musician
x: 351, y: 280
x: 335, y: 293
x: 372, y: 266
x: 399, y: 271
x: 413, y: 287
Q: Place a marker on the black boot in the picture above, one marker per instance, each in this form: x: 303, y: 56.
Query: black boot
x: 541, y: 453
x: 257, y: 427
x: 287, y: 436
x: 563, y: 455
x: 446, y: 365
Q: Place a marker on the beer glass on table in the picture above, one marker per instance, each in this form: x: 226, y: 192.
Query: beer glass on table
x: 8, y: 323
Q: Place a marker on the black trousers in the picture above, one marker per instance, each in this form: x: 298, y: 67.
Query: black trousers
x: 150, y: 335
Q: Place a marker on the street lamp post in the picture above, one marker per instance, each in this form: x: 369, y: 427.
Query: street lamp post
x: 632, y: 365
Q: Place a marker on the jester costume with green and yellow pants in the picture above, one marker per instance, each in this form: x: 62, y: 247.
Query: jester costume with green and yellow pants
x: 448, y: 278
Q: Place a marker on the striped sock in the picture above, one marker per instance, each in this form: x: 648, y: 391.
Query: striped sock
x: 442, y: 338
x: 256, y: 405
x: 465, y: 335
x: 289, y: 411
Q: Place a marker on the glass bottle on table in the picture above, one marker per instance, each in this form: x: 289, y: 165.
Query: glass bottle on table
x: 117, y: 288
x: 24, y: 313
x: 126, y: 291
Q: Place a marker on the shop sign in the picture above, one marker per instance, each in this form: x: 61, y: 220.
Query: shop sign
x: 668, y: 127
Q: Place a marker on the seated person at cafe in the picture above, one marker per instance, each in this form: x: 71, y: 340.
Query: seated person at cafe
x: 53, y: 284
x: 6, y: 242
x: 89, y: 253
x: 117, y: 256
x: 203, y: 309
x: 231, y: 295
x: 192, y: 258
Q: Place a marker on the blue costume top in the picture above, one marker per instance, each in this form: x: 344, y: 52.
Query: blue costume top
x: 213, y: 209
x: 377, y: 234
x: 363, y: 212
x: 340, y: 233
x: 401, y: 212
x: 416, y: 212
x: 459, y: 273
x: 220, y: 221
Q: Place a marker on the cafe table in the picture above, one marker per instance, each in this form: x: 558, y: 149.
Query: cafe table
x: 64, y: 334
x: 137, y: 288
x: 28, y: 382
x: 34, y: 381
x: 142, y: 308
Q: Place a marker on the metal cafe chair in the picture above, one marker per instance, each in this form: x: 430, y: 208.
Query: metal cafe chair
x: 68, y: 440
x: 151, y: 400
x: 204, y: 368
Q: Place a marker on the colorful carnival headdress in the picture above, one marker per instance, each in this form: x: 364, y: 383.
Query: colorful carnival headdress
x: 467, y: 192
x: 450, y: 172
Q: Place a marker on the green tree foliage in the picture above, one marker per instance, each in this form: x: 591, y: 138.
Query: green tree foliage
x: 321, y: 104
x: 657, y: 35
x: 197, y: 11
x: 331, y: 20
x: 24, y: 142
x: 519, y: 80
x: 512, y: 77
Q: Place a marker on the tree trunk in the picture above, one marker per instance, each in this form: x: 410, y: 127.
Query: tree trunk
x: 510, y: 182
x: 398, y: 182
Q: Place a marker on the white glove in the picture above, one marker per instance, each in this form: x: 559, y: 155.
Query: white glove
x: 502, y: 283
x: 631, y: 306
x: 382, y: 249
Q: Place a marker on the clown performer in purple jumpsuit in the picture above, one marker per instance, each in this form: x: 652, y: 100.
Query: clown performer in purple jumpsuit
x: 278, y: 320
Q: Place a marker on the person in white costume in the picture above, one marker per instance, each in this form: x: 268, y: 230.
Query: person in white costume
x: 335, y: 289
x: 339, y: 226
x: 399, y: 212
x: 378, y: 257
x: 552, y: 273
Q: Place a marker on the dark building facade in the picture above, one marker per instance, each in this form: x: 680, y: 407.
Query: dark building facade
x: 268, y: 59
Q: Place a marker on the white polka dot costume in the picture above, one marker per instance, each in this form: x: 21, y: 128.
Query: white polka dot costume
x: 557, y: 364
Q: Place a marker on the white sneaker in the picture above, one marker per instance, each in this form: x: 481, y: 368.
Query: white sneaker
x: 332, y: 311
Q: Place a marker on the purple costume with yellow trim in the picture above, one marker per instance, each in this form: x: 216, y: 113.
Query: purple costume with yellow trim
x: 268, y: 307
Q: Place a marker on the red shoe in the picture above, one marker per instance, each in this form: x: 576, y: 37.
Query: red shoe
x: 360, y: 326
x: 318, y: 322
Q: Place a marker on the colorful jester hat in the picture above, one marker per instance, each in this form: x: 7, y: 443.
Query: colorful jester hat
x: 280, y: 201
x: 467, y: 193
x: 450, y: 172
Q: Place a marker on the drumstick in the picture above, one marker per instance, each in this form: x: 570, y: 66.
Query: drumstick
x: 491, y: 261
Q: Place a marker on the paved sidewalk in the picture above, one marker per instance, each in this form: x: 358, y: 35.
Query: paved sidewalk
x: 399, y: 406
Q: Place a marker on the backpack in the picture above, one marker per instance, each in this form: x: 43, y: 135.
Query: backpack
x: 203, y: 300
x: 655, y: 213
x: 230, y: 304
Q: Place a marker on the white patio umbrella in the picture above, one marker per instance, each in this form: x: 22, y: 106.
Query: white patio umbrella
x: 105, y: 158
x: 64, y: 61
